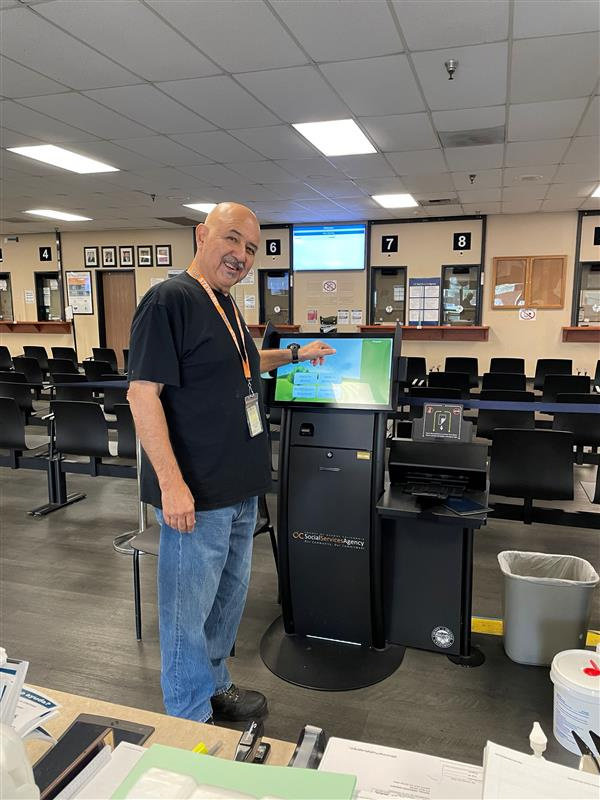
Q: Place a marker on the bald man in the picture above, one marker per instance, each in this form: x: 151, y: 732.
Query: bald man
x: 194, y: 375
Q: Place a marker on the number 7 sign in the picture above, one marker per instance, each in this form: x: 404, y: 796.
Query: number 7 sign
x: 389, y: 244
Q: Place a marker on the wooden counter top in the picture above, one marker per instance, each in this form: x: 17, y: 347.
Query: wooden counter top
x: 436, y: 333
x: 34, y: 326
x: 583, y: 333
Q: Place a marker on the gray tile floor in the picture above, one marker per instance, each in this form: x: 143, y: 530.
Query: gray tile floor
x: 67, y: 606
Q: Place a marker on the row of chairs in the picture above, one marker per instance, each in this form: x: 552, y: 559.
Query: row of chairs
x: 552, y: 386
x: 66, y: 356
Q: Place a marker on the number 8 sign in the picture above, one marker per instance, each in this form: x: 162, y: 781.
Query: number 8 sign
x: 461, y: 241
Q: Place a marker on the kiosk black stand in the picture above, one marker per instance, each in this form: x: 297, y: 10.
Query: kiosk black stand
x: 331, y: 471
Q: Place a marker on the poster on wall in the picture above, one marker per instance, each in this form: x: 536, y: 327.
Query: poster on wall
x: 79, y: 292
x: 343, y: 316
x: 248, y: 280
x: 424, y: 301
x: 356, y: 317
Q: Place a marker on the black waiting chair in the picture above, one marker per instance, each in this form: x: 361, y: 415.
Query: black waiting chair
x: 429, y: 392
x: 112, y: 398
x: 97, y: 370
x: 551, y: 366
x: 11, y: 376
x: 532, y: 464
x: 596, y: 381
x: 65, y: 352
x: 13, y: 439
x: 125, y: 358
x: 5, y: 358
x: 77, y: 387
x: 507, y: 365
x: 106, y: 354
x: 61, y: 366
x: 416, y: 370
x: 464, y: 364
x: 584, y: 427
x: 125, y: 431
x: 451, y: 380
x: 30, y: 367
x: 564, y: 384
x: 22, y: 395
x: 488, y: 419
x: 515, y: 381
x: 39, y: 353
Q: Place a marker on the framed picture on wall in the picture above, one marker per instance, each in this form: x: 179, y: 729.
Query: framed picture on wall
x: 126, y: 255
x: 163, y: 255
x: 109, y: 256
x: 144, y: 255
x: 91, y: 257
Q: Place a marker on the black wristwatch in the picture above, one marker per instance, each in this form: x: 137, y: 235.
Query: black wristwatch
x: 294, y: 347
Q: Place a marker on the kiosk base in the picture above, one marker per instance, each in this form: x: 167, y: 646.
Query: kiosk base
x: 323, y: 664
x: 475, y: 658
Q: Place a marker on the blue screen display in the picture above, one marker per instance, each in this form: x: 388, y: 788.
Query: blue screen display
x: 329, y: 247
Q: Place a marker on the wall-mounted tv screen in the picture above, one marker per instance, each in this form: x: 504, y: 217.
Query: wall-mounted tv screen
x: 329, y: 247
x: 360, y: 375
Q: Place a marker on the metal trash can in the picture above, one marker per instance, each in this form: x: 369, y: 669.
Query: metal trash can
x: 546, y: 604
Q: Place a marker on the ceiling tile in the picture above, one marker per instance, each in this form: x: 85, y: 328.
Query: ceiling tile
x: 445, y: 23
x: 583, y: 149
x: 309, y: 167
x: 338, y: 30
x: 263, y: 171
x: 530, y: 84
x: 220, y: 100
x: 375, y: 86
x: 417, y: 162
x: 298, y: 94
x: 512, y: 174
x: 479, y: 195
x: 239, y: 36
x: 552, y: 120
x: 483, y: 178
x: 549, y: 152
x: 148, y: 106
x: 469, y: 119
x: 445, y: 211
x: 254, y: 193
x: 401, y: 132
x: 482, y: 208
x: 218, y: 146
x: 31, y: 40
x: 485, y: 156
x: 81, y: 112
x: 557, y: 17
x: 277, y: 141
x: 335, y: 188
x: 293, y: 191
x: 114, y: 155
x: 322, y: 205
x: 467, y: 90
x: 129, y: 33
x: 31, y: 123
x: 367, y: 166
x: 521, y: 207
x: 570, y: 173
x: 163, y: 150
x: 590, y: 124
x: 18, y: 81
x: 525, y: 192
x: 592, y: 204
x: 14, y: 139
x: 579, y: 189
x: 561, y: 204
x: 382, y: 186
x: 441, y: 182
x: 215, y: 174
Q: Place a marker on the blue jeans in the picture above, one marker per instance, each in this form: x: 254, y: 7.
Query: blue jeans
x: 203, y: 580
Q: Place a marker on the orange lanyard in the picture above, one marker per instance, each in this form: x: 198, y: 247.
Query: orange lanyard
x: 244, y: 357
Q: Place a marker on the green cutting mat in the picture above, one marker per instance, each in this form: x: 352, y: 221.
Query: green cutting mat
x: 254, y: 779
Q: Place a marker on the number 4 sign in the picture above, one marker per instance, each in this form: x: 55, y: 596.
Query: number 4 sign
x: 45, y: 253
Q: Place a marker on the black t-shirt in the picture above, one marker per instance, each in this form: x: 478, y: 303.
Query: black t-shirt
x: 179, y: 339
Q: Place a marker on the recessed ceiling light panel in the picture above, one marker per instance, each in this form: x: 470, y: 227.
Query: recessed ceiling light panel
x: 50, y: 214
x: 65, y: 159
x: 205, y: 208
x: 339, y: 137
x: 395, y: 200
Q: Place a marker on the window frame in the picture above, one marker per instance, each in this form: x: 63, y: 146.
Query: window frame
x: 7, y: 276
x: 478, y: 308
x: 529, y: 260
x: 372, y: 289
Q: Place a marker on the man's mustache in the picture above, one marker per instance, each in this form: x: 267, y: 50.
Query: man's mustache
x: 233, y: 262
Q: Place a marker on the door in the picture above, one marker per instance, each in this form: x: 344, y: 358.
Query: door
x: 117, y: 303
x: 6, y: 307
x: 48, y: 296
x: 274, y: 296
x: 460, y: 294
x: 388, y: 289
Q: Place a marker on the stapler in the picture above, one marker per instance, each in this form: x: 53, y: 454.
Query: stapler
x: 249, y: 741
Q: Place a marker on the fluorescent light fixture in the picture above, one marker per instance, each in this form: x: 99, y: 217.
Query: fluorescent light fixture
x: 47, y: 212
x: 597, y: 192
x: 395, y: 200
x: 65, y: 159
x: 339, y: 137
x: 204, y: 207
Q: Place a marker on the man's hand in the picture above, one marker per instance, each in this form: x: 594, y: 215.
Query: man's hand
x: 315, y: 352
x: 178, y: 508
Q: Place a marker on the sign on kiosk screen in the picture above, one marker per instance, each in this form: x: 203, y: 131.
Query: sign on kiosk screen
x: 357, y: 376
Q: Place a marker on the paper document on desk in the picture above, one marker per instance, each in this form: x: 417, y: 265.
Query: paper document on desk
x: 510, y: 775
x: 392, y: 773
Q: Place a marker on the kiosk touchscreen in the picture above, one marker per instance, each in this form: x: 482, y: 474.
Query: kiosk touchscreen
x: 361, y: 375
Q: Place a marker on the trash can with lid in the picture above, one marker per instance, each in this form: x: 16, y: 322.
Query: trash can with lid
x: 546, y: 604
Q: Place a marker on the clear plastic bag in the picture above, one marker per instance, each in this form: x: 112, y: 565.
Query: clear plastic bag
x: 548, y: 568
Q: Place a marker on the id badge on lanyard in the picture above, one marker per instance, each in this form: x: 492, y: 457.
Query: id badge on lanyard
x: 251, y: 404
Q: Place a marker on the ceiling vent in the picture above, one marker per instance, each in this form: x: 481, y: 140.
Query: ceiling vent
x: 472, y: 138
x: 529, y: 178
x: 186, y: 222
x: 440, y: 201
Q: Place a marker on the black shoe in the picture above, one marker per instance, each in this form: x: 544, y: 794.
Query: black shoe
x: 239, y: 704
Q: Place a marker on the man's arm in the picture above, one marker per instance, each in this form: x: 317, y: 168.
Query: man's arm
x: 151, y: 427
x: 314, y: 352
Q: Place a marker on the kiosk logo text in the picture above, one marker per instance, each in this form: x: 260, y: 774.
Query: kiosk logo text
x: 329, y: 540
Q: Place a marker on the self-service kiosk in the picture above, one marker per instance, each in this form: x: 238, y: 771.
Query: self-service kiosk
x: 331, y: 474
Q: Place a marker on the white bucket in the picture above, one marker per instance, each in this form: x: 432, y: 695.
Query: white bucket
x: 576, y: 697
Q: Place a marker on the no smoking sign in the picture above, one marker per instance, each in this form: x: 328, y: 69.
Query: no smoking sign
x: 527, y: 314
